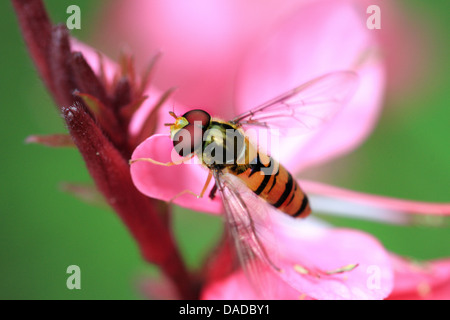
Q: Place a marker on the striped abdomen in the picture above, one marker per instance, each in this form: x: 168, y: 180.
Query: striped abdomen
x: 272, y: 182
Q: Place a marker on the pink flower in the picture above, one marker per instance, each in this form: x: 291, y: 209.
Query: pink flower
x: 250, y: 58
x: 305, y: 44
x: 407, y: 46
x: 420, y: 280
x: 314, y: 39
x: 227, y: 65
x: 313, y: 258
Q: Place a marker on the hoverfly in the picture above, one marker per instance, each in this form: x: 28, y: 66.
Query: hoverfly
x: 243, y: 173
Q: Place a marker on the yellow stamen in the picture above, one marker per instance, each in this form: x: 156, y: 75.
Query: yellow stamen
x: 298, y: 268
x: 346, y: 268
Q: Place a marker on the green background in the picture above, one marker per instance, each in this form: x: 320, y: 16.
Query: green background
x: 44, y: 230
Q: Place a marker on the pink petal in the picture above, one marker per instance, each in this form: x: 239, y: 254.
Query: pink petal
x: 237, y: 287
x: 408, y: 43
x: 153, y: 97
x: 393, y: 207
x: 92, y: 56
x: 202, y: 42
x: 319, y: 38
x: 330, y: 249
x: 316, y: 250
x: 429, y: 280
x: 164, y: 183
x: 204, y: 49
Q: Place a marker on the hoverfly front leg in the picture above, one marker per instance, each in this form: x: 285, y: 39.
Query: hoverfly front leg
x: 167, y: 164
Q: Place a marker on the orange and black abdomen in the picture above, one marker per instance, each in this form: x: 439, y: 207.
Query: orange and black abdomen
x: 260, y: 172
x: 272, y: 182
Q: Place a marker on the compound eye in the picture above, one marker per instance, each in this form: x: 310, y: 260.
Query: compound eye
x: 188, y: 140
x: 198, y: 115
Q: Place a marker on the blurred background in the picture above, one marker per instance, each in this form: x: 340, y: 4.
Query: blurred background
x: 43, y: 230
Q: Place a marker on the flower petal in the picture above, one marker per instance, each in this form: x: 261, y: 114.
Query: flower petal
x: 321, y: 37
x: 142, y: 114
x: 325, y: 250
x: 202, y: 42
x: 319, y: 263
x: 408, y: 43
x: 100, y: 63
x: 429, y: 280
x: 347, y: 202
x: 237, y: 287
x: 164, y: 183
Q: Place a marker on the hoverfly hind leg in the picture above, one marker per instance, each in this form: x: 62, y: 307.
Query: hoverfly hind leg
x: 208, y: 180
x: 182, y: 193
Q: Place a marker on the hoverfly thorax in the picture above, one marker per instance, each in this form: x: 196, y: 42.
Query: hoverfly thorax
x: 224, y: 145
x: 187, y: 131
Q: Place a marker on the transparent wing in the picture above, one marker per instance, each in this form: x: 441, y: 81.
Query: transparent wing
x: 249, y: 225
x: 306, y: 107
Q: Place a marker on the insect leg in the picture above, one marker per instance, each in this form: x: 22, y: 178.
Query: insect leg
x: 212, y: 193
x: 167, y: 164
x: 208, y: 180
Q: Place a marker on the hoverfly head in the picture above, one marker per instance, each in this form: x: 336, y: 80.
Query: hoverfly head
x: 187, y: 131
